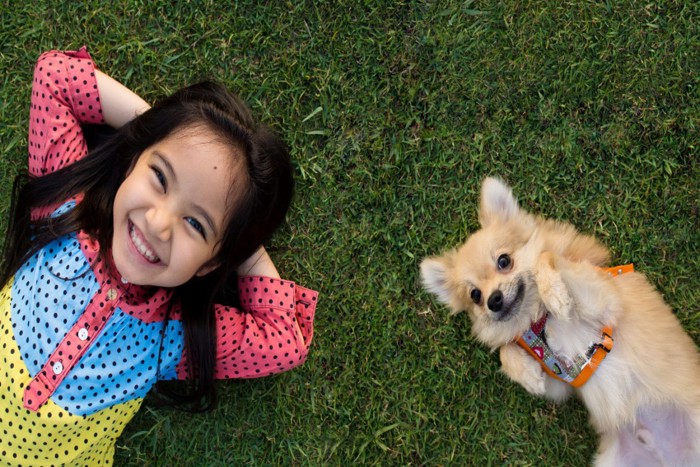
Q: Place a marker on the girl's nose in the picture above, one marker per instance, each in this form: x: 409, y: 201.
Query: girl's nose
x: 159, y: 223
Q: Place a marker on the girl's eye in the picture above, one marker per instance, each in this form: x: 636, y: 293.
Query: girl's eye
x: 476, y: 296
x: 196, y: 225
x: 504, y: 263
x: 160, y: 177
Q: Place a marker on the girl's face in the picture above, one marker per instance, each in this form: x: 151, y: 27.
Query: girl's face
x: 170, y: 211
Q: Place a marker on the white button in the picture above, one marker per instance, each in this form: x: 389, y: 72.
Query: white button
x: 57, y: 367
x: 124, y: 281
x: 83, y: 334
x: 111, y: 294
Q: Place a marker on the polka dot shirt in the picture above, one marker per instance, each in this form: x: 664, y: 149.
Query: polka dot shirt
x: 79, y: 348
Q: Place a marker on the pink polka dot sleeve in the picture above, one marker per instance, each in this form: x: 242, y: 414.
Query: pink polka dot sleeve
x: 64, y: 96
x: 271, y: 334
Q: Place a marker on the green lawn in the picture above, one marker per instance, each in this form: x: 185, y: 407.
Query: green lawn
x: 395, y: 111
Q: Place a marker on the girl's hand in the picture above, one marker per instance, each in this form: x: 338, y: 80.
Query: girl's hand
x: 259, y: 264
x: 119, y: 103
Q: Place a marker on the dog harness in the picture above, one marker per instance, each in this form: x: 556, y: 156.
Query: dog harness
x: 577, y: 371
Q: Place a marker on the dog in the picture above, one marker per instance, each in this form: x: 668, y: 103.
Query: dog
x: 538, y: 291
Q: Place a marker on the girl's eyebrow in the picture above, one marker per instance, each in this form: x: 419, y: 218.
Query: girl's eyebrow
x: 200, y: 210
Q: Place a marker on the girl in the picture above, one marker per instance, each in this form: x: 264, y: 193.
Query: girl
x: 113, y: 290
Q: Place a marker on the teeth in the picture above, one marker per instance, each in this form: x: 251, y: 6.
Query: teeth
x: 141, y: 247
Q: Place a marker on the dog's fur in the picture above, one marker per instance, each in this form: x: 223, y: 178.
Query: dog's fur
x: 644, y: 399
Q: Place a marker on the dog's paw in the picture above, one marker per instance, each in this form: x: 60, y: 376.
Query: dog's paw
x: 551, y: 287
x: 523, y: 369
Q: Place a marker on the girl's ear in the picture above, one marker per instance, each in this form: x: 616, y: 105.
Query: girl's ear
x: 207, y: 268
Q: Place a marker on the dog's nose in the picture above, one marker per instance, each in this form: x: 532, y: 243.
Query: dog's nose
x: 495, y: 301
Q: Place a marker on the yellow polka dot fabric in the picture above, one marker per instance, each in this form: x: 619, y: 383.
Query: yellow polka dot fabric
x: 51, y: 435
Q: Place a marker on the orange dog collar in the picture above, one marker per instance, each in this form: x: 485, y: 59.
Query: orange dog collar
x: 577, y: 371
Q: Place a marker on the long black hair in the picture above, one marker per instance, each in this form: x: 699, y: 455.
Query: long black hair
x: 263, y: 192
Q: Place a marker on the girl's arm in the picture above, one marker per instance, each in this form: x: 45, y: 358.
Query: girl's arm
x: 119, y: 103
x: 259, y: 264
x: 64, y: 97
x: 68, y: 92
x: 269, y: 334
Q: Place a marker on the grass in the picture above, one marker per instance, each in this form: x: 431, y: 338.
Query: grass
x: 395, y: 111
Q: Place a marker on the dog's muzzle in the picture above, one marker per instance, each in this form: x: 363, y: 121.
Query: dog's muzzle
x: 500, y: 309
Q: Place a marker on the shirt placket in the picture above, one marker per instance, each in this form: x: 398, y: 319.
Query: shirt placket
x: 72, y: 347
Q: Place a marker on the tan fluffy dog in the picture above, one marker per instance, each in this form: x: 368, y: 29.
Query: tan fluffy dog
x: 644, y: 398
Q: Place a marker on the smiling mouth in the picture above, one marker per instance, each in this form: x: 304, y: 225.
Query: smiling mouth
x: 141, y: 245
x: 514, y: 306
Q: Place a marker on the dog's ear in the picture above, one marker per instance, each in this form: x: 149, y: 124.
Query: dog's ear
x: 497, y: 202
x: 434, y: 271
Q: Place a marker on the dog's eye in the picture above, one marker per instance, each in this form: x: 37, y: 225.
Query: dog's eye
x: 476, y: 296
x: 504, y: 262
